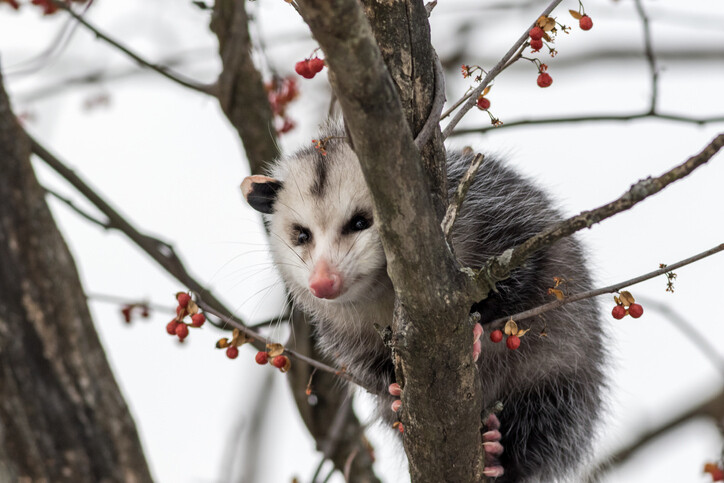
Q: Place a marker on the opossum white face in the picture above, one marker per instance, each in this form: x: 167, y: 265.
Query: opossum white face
x: 322, y: 232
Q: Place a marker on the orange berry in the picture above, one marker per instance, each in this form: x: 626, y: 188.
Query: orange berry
x: 279, y: 361
x: 618, y: 312
x: 536, y: 33
x: 635, y: 310
x: 585, y: 23
x: 483, y: 103
x: 183, y: 299
x: 261, y: 357
x: 182, y: 331
x: 544, y: 80
x: 197, y: 320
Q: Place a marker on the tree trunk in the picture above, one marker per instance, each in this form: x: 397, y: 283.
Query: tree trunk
x: 62, y: 416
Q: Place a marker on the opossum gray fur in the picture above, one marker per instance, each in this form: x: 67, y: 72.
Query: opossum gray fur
x: 318, y: 207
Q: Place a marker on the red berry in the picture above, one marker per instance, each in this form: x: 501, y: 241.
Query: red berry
x: 316, y: 64
x: 232, y: 352
x: 279, y: 361
x: 618, y: 312
x: 536, y: 33
x: 183, y: 299
x: 197, y: 320
x: 513, y: 342
x: 180, y: 312
x: 182, y: 331
x: 496, y: 336
x: 544, y: 80
x: 262, y: 357
x: 585, y: 23
x: 171, y: 327
x: 304, y: 69
x: 635, y: 310
x: 483, y: 103
x: 536, y: 45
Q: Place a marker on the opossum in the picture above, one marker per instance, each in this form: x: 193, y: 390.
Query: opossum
x: 327, y: 249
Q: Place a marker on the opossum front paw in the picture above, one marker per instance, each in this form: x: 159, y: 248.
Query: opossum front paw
x: 477, y: 345
x: 395, y: 390
x: 493, y: 448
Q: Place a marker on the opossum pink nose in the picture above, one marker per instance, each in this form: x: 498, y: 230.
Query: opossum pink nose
x: 325, y: 283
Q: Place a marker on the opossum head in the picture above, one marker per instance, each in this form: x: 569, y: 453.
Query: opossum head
x: 322, y: 231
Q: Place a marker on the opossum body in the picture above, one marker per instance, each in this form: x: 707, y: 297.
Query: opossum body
x: 325, y: 245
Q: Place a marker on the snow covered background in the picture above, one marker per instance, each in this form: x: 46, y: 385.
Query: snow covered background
x: 167, y: 158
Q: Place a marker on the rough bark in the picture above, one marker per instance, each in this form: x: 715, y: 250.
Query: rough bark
x: 242, y: 96
x: 240, y: 88
x: 402, y: 33
x: 62, y: 416
x: 335, y: 443
x: 441, y: 396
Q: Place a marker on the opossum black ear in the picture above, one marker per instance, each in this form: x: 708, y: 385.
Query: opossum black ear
x: 261, y: 192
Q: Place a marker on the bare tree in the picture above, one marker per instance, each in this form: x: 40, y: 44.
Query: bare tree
x: 386, y: 78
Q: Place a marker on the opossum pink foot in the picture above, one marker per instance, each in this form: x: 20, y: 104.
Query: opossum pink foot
x: 493, y: 448
x: 395, y: 390
x: 477, y: 345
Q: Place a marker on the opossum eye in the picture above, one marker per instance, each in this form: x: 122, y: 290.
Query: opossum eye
x: 300, y: 235
x: 358, y: 222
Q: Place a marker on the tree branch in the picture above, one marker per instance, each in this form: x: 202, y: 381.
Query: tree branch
x: 590, y: 118
x: 240, y: 88
x: 712, y: 408
x: 232, y: 321
x: 158, y: 250
x: 499, y: 267
x: 498, y: 323
x: 462, y: 190
x: 164, y: 71
x: 493, y: 73
x: 650, y: 57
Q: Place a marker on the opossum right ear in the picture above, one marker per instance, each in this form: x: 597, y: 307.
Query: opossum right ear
x: 261, y: 192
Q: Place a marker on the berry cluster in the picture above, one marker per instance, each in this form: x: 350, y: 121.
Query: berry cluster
x: 308, y: 68
x: 280, y: 92
x: 186, y: 306
x: 715, y: 471
x: 512, y: 331
x: 128, y: 310
x: 275, y: 353
x: 238, y: 338
x: 626, y: 305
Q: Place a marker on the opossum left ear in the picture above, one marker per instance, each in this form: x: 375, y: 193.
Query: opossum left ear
x: 261, y: 192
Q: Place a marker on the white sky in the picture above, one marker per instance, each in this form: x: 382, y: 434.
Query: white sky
x: 169, y: 160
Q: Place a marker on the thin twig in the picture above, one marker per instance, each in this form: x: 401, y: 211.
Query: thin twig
x: 498, y: 268
x: 257, y: 336
x: 339, y: 423
x: 103, y: 224
x: 163, y: 253
x: 164, y: 71
x: 433, y: 119
x: 590, y: 118
x: 712, y: 408
x: 454, y: 207
x: 650, y: 58
x: 602, y: 291
x: 493, y: 73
